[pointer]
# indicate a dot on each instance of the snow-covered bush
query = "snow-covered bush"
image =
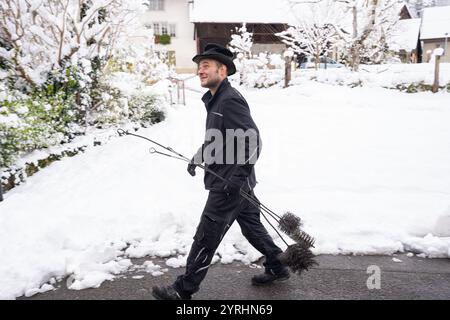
(123, 91)
(89, 63)
(146, 109)
(126, 96)
(254, 71)
(260, 71)
(38, 121)
(264, 79)
(10, 138)
(409, 78)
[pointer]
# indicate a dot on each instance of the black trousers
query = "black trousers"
(220, 211)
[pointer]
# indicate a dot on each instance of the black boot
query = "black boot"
(270, 277)
(168, 293)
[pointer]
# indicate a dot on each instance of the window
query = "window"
(160, 28)
(164, 29)
(155, 5)
(156, 28)
(173, 30)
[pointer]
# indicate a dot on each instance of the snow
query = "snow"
(10, 120)
(46, 287)
(366, 168)
(438, 51)
(268, 11)
(177, 262)
(396, 260)
(386, 75)
(435, 23)
(155, 270)
(441, 228)
(405, 35)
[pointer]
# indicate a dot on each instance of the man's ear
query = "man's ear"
(224, 70)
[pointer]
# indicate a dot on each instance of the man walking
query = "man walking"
(227, 112)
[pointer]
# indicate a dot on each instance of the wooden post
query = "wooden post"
(435, 87)
(178, 91)
(287, 70)
(184, 94)
(1, 192)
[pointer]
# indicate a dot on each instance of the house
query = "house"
(405, 11)
(174, 33)
(183, 28)
(404, 40)
(215, 21)
(435, 31)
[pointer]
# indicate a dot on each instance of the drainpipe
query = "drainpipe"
(445, 46)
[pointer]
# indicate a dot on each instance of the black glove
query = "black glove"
(191, 168)
(235, 185)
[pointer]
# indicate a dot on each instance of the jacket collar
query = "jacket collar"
(208, 98)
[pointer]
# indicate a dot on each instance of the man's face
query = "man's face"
(210, 74)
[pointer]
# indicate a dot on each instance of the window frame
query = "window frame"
(172, 30)
(156, 5)
(156, 28)
(164, 28)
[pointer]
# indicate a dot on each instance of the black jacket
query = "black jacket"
(228, 109)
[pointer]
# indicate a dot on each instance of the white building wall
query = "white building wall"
(185, 47)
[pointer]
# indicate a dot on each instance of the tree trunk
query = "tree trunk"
(358, 42)
(353, 50)
(355, 56)
(287, 71)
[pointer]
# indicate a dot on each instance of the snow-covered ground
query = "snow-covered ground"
(367, 169)
(383, 75)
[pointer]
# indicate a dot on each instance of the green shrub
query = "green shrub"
(40, 121)
(144, 109)
(163, 39)
(10, 144)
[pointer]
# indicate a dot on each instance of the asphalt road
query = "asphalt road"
(336, 277)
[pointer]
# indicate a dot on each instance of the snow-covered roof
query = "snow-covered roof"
(435, 23)
(238, 11)
(404, 35)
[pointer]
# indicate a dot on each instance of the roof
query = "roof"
(403, 4)
(404, 35)
(435, 23)
(238, 11)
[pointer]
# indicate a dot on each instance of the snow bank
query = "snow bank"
(385, 76)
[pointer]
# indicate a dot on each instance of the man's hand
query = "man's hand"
(191, 168)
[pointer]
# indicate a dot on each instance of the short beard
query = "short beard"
(214, 83)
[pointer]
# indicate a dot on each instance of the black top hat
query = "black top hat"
(219, 53)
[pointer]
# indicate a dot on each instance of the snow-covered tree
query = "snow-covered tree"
(315, 30)
(359, 26)
(39, 36)
(241, 44)
(419, 5)
(242, 41)
(371, 22)
(65, 58)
